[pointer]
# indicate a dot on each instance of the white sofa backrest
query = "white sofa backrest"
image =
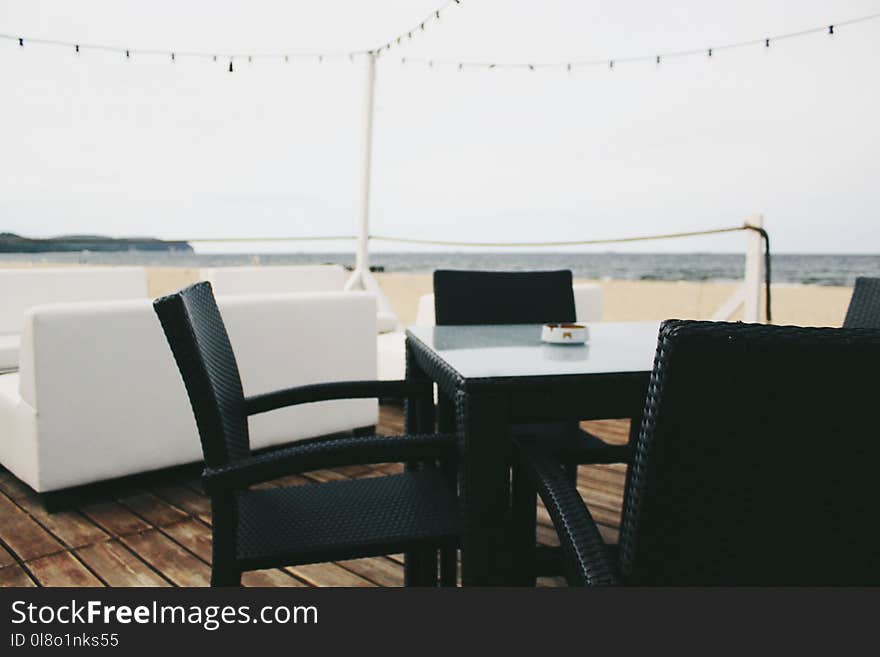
(587, 301)
(21, 289)
(103, 381)
(275, 279)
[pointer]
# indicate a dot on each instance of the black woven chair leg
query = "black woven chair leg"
(429, 567)
(412, 568)
(225, 576)
(224, 572)
(524, 512)
(571, 469)
(448, 567)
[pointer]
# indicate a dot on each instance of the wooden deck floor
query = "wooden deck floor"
(157, 530)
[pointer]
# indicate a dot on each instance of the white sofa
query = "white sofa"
(285, 279)
(391, 346)
(271, 279)
(98, 395)
(21, 289)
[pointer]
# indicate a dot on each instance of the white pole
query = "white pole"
(754, 276)
(362, 257)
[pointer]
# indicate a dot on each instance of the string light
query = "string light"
(174, 55)
(656, 58)
(420, 26)
(567, 65)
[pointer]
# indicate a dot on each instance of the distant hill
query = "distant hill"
(12, 243)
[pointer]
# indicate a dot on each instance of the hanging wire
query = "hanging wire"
(420, 26)
(567, 65)
(612, 62)
(177, 54)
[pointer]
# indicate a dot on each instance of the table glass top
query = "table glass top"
(516, 350)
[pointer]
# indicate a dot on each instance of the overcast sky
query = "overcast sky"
(96, 144)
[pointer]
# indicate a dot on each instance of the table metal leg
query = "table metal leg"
(485, 489)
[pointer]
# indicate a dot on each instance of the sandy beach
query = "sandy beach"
(804, 305)
(623, 300)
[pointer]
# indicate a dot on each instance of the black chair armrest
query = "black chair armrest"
(337, 390)
(585, 555)
(329, 453)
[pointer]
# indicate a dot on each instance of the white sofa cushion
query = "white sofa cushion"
(275, 279)
(9, 351)
(28, 287)
(108, 401)
(23, 288)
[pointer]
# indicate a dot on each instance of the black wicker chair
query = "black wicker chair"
(414, 512)
(864, 306)
(756, 465)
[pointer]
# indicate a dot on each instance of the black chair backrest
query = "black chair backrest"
(864, 306)
(757, 461)
(497, 297)
(198, 339)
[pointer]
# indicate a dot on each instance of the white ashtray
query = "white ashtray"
(565, 333)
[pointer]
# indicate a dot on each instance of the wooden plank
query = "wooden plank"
(354, 471)
(192, 535)
(546, 535)
(6, 558)
(325, 476)
(117, 566)
(272, 577)
(167, 557)
(593, 476)
(289, 480)
(379, 570)
(13, 487)
(390, 468)
(184, 498)
(14, 575)
(327, 574)
(71, 527)
(22, 534)
(62, 569)
(153, 509)
(544, 582)
(114, 518)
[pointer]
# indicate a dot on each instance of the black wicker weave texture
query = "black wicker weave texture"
(494, 297)
(864, 306)
(381, 515)
(756, 460)
(210, 373)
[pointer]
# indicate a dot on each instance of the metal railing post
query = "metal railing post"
(754, 275)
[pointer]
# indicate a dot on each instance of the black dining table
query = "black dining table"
(491, 377)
